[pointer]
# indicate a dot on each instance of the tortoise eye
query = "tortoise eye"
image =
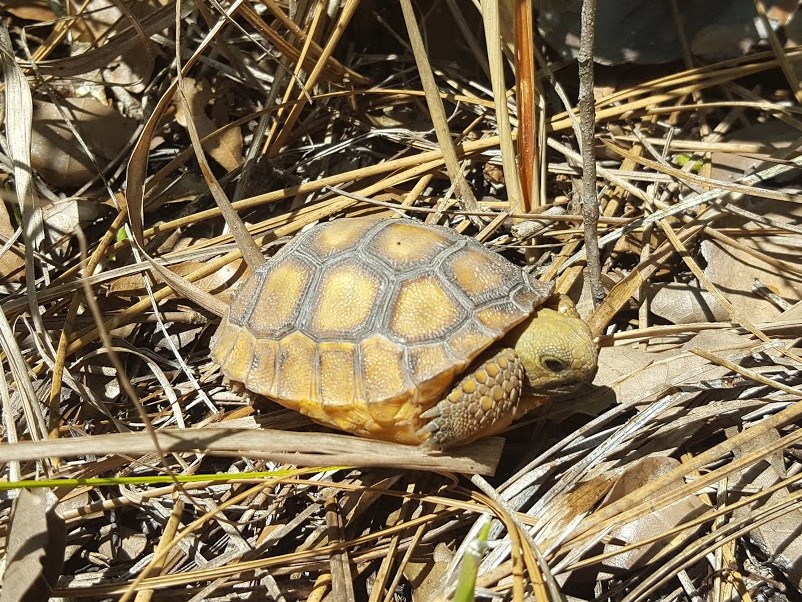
(553, 364)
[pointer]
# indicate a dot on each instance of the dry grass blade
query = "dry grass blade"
(250, 251)
(490, 13)
(305, 449)
(19, 111)
(341, 578)
(436, 110)
(100, 57)
(277, 137)
(526, 94)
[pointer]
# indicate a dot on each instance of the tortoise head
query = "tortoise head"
(556, 348)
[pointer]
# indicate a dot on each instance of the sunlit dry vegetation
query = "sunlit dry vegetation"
(127, 128)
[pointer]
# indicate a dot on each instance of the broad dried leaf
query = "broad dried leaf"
(771, 136)
(735, 272)
(133, 67)
(643, 32)
(35, 554)
(65, 215)
(660, 520)
(638, 376)
(54, 152)
(114, 540)
(781, 538)
(427, 575)
(31, 10)
(225, 148)
(686, 303)
(221, 283)
(568, 507)
(11, 262)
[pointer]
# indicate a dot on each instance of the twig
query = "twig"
(587, 109)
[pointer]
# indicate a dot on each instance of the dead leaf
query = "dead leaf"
(638, 376)
(133, 68)
(30, 10)
(226, 148)
(57, 156)
(222, 283)
(765, 140)
(35, 554)
(120, 542)
(781, 538)
(63, 217)
(661, 519)
(426, 576)
(734, 272)
(644, 32)
(579, 502)
(686, 303)
(12, 261)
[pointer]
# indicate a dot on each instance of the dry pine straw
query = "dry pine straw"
(307, 533)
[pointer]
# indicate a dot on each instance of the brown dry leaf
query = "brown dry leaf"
(762, 140)
(57, 156)
(11, 262)
(734, 271)
(98, 17)
(103, 16)
(661, 519)
(781, 538)
(644, 32)
(226, 148)
(578, 502)
(65, 215)
(427, 576)
(119, 538)
(30, 10)
(638, 376)
(35, 554)
(221, 283)
(686, 303)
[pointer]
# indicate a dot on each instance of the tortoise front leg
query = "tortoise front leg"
(482, 404)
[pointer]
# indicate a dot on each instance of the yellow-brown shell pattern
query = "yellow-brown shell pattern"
(363, 324)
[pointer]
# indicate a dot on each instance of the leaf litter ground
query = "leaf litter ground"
(674, 477)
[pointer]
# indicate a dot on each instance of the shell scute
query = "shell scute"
(296, 369)
(382, 375)
(332, 238)
(275, 306)
(240, 356)
(432, 367)
(422, 310)
(338, 381)
(349, 295)
(391, 247)
(499, 317)
(261, 377)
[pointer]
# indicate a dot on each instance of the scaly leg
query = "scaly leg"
(482, 404)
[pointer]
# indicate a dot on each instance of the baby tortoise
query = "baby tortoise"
(396, 330)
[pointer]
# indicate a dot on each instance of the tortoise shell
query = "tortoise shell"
(363, 324)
